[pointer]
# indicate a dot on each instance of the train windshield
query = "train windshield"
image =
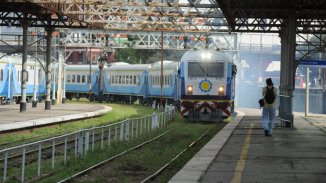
(205, 69)
(215, 70)
(196, 69)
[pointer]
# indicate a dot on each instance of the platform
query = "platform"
(11, 118)
(242, 153)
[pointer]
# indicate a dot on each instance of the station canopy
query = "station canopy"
(13, 12)
(201, 16)
(271, 15)
(168, 15)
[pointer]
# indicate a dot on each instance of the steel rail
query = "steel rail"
(112, 158)
(151, 177)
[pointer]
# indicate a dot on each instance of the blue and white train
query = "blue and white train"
(201, 84)
(207, 84)
(10, 77)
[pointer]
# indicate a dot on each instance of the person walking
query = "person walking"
(269, 108)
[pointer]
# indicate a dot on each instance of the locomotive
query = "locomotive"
(207, 85)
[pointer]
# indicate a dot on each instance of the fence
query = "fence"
(248, 96)
(75, 145)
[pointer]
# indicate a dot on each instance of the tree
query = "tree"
(145, 56)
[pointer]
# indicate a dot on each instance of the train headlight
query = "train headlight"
(206, 56)
(189, 90)
(221, 90)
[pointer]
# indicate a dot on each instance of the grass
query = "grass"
(135, 165)
(138, 164)
(118, 113)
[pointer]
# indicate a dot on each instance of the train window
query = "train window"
(158, 81)
(196, 69)
(170, 80)
(120, 79)
(130, 79)
(135, 80)
(78, 78)
(68, 78)
(155, 80)
(88, 79)
(83, 79)
(138, 80)
(127, 80)
(123, 80)
(165, 80)
(73, 79)
(112, 79)
(116, 79)
(1, 75)
(215, 69)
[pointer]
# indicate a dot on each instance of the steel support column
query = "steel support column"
(48, 68)
(288, 36)
(60, 76)
(64, 99)
(24, 68)
(100, 82)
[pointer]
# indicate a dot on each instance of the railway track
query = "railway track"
(160, 170)
(112, 158)
(149, 176)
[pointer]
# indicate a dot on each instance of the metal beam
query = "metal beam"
(148, 15)
(77, 39)
(12, 12)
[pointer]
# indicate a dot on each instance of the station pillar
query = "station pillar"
(100, 84)
(288, 35)
(24, 67)
(49, 31)
(60, 77)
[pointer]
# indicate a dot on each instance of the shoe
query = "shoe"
(269, 135)
(266, 132)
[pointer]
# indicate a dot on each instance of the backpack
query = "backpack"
(270, 95)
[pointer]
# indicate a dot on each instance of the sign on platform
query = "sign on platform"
(313, 63)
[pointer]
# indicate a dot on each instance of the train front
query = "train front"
(206, 85)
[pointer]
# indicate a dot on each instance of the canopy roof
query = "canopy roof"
(271, 15)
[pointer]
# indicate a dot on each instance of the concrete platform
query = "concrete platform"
(247, 155)
(11, 118)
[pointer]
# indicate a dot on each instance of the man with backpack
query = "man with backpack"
(269, 109)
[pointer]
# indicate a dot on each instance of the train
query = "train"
(207, 84)
(201, 84)
(11, 75)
